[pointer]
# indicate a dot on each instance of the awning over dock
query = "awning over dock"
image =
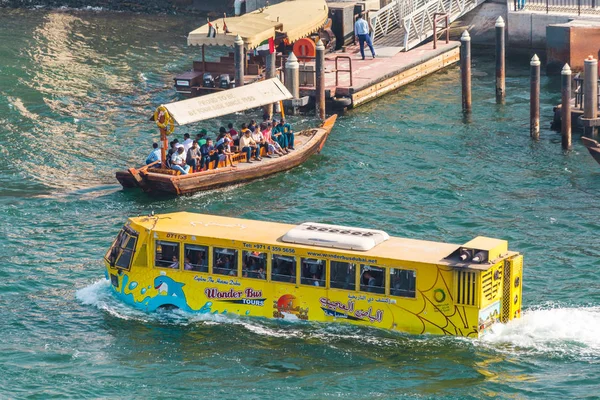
(228, 101)
(295, 18)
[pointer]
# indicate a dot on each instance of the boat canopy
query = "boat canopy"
(228, 101)
(335, 236)
(297, 19)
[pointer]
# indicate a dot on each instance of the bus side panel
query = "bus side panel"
(516, 286)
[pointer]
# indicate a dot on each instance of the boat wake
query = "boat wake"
(554, 330)
(563, 331)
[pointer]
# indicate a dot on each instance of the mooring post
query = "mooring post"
(270, 73)
(590, 95)
(320, 81)
(565, 108)
(292, 78)
(465, 70)
(238, 57)
(534, 98)
(500, 61)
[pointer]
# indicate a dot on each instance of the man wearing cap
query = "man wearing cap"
(249, 146)
(178, 162)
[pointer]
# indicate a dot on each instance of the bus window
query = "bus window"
(225, 261)
(372, 279)
(124, 260)
(313, 272)
(254, 265)
(283, 268)
(342, 275)
(167, 254)
(402, 282)
(196, 258)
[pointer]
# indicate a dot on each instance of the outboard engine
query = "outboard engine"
(208, 80)
(224, 81)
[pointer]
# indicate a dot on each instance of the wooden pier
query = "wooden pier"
(355, 81)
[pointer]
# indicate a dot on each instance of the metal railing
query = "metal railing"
(437, 18)
(560, 6)
(578, 91)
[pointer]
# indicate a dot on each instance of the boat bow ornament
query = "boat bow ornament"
(407, 23)
(335, 236)
(228, 102)
(296, 19)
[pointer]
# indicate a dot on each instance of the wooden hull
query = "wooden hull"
(593, 147)
(212, 179)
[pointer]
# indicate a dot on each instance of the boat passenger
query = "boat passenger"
(201, 137)
(170, 153)
(187, 143)
(154, 156)
(194, 157)
(187, 265)
(288, 132)
(234, 134)
(209, 153)
(278, 135)
(370, 281)
(252, 126)
(177, 144)
(274, 147)
(260, 141)
(249, 146)
(175, 264)
(178, 161)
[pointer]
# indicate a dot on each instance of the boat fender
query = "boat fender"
(168, 122)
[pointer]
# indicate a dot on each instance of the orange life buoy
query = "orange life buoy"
(304, 47)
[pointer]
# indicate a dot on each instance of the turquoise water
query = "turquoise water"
(76, 90)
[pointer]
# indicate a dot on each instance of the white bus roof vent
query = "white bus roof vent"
(335, 236)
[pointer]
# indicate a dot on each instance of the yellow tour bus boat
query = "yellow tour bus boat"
(314, 272)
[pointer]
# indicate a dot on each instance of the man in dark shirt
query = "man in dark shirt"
(209, 153)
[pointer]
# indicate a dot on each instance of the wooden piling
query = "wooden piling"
(565, 109)
(292, 78)
(320, 80)
(500, 61)
(239, 61)
(465, 70)
(534, 98)
(590, 93)
(270, 73)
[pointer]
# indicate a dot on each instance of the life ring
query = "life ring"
(442, 296)
(168, 123)
(304, 47)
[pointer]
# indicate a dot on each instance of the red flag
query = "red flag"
(271, 46)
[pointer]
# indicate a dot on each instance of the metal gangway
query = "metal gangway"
(407, 23)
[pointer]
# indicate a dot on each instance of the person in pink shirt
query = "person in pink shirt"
(272, 146)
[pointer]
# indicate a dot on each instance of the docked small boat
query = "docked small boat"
(314, 272)
(593, 147)
(156, 178)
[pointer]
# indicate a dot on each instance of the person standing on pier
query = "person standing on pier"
(361, 30)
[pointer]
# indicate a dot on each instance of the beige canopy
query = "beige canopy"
(296, 18)
(228, 101)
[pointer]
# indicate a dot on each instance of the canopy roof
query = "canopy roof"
(228, 101)
(295, 18)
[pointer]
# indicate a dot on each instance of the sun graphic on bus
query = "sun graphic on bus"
(288, 307)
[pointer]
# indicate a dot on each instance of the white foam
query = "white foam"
(558, 330)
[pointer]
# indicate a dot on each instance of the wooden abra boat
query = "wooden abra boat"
(156, 178)
(593, 147)
(307, 143)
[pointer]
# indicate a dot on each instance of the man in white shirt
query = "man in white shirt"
(249, 146)
(361, 30)
(187, 143)
(178, 161)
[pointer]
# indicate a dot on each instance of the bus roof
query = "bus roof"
(271, 233)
